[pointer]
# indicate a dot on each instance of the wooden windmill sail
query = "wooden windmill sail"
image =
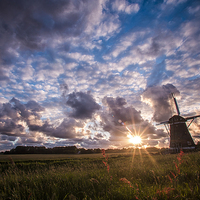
(177, 129)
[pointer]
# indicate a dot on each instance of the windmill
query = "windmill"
(177, 129)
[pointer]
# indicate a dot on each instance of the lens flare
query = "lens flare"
(135, 139)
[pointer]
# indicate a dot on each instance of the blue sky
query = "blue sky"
(79, 72)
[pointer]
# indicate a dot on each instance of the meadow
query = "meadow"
(132, 175)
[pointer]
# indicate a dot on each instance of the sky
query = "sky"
(93, 73)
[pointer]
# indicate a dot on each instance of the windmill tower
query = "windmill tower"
(177, 129)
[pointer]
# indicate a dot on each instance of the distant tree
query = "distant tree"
(97, 150)
(65, 150)
(198, 146)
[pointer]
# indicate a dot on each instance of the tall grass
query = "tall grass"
(107, 177)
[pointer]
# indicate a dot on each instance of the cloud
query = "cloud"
(15, 117)
(124, 6)
(159, 99)
(109, 25)
(119, 119)
(116, 116)
(194, 9)
(3, 76)
(34, 106)
(28, 21)
(191, 33)
(26, 73)
(83, 105)
(119, 50)
(25, 111)
(174, 2)
(64, 89)
(125, 42)
(11, 127)
(66, 129)
(164, 42)
(6, 142)
(40, 25)
(120, 113)
(184, 62)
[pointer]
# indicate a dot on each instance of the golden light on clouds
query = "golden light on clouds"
(98, 118)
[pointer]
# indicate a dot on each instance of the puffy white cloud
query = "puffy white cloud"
(125, 6)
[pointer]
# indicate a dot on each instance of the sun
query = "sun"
(135, 139)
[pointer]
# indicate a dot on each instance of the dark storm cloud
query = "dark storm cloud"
(114, 102)
(83, 105)
(14, 113)
(15, 116)
(119, 112)
(26, 110)
(34, 106)
(6, 137)
(65, 130)
(20, 108)
(112, 125)
(30, 21)
(10, 127)
(118, 115)
(159, 97)
(8, 111)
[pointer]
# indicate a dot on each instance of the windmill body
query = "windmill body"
(177, 128)
(180, 137)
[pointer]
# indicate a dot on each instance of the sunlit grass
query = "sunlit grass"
(130, 176)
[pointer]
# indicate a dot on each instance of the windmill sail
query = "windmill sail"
(176, 104)
(193, 117)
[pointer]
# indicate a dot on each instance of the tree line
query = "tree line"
(54, 150)
(69, 150)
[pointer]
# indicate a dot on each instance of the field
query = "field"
(133, 175)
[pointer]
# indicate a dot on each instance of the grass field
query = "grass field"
(96, 176)
(26, 157)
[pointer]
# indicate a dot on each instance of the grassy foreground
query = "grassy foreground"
(116, 176)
